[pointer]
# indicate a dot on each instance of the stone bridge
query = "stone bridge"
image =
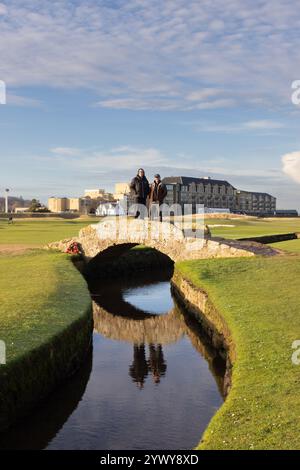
(112, 237)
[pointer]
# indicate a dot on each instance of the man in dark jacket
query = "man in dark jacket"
(158, 192)
(140, 189)
(139, 368)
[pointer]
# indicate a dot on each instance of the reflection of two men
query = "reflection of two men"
(141, 367)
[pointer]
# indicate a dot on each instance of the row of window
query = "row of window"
(257, 199)
(185, 189)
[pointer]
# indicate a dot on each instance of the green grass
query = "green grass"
(292, 246)
(41, 293)
(40, 231)
(46, 324)
(244, 228)
(259, 299)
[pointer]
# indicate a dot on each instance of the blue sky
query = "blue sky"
(97, 89)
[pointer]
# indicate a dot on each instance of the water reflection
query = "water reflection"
(151, 329)
(141, 367)
(157, 363)
(148, 360)
(136, 298)
(118, 319)
(124, 321)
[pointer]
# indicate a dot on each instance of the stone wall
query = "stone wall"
(39, 215)
(281, 237)
(198, 304)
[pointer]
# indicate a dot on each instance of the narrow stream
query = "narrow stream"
(150, 381)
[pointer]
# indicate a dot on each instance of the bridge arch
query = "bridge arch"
(113, 237)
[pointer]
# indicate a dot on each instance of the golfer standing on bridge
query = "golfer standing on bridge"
(140, 191)
(158, 192)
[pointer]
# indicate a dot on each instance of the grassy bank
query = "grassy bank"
(254, 227)
(45, 321)
(259, 300)
(40, 231)
(292, 246)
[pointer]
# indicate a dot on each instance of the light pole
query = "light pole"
(6, 200)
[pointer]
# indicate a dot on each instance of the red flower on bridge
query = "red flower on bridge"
(74, 249)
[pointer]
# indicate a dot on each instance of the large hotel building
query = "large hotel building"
(216, 194)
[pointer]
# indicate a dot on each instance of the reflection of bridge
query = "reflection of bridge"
(156, 329)
(117, 319)
(113, 237)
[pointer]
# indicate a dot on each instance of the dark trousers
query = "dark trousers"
(142, 201)
(155, 209)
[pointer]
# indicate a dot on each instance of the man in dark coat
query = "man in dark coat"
(156, 362)
(158, 192)
(140, 189)
(139, 368)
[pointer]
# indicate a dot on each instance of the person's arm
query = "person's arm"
(132, 185)
(147, 187)
(164, 191)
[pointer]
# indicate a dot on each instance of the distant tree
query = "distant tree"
(36, 206)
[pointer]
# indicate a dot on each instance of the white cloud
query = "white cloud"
(155, 55)
(221, 168)
(3, 9)
(291, 165)
(131, 159)
(123, 157)
(199, 95)
(66, 151)
(138, 104)
(263, 124)
(260, 126)
(217, 25)
(126, 159)
(215, 104)
(24, 101)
